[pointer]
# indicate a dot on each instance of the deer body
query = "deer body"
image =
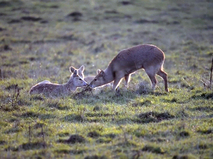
(147, 57)
(52, 89)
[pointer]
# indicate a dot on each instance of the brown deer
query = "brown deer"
(80, 71)
(52, 89)
(147, 57)
(88, 79)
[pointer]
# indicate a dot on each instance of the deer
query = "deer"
(126, 62)
(88, 79)
(48, 88)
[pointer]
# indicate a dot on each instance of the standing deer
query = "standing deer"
(89, 78)
(52, 89)
(147, 57)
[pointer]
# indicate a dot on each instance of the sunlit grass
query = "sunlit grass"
(137, 123)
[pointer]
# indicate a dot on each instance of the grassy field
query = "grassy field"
(39, 40)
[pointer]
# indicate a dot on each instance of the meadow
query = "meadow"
(40, 40)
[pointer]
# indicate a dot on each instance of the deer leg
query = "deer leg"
(127, 79)
(116, 83)
(152, 78)
(164, 76)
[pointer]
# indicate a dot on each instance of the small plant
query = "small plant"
(13, 99)
(15, 95)
(206, 83)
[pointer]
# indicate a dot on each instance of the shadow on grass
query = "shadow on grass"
(87, 117)
(73, 118)
(103, 140)
(57, 105)
(95, 157)
(37, 97)
(2, 142)
(153, 149)
(205, 95)
(68, 151)
(103, 117)
(106, 97)
(205, 132)
(109, 96)
(37, 115)
(13, 130)
(153, 117)
(141, 103)
(204, 109)
(98, 114)
(75, 138)
(93, 134)
(28, 146)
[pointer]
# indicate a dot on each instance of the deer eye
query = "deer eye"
(80, 79)
(95, 79)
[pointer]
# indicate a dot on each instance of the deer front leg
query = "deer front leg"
(116, 84)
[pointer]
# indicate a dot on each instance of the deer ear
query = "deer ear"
(82, 68)
(75, 72)
(98, 71)
(72, 69)
(102, 72)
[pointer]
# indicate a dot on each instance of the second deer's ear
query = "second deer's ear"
(98, 71)
(82, 68)
(75, 72)
(102, 72)
(72, 69)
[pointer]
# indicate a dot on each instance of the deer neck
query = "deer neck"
(70, 86)
(109, 74)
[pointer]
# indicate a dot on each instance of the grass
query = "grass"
(40, 40)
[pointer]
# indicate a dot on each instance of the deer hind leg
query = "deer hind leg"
(127, 79)
(152, 77)
(164, 76)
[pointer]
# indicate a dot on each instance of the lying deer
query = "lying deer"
(52, 89)
(88, 79)
(147, 57)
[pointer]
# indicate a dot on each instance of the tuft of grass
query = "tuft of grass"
(153, 117)
(152, 149)
(75, 138)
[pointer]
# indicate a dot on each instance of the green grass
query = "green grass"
(138, 123)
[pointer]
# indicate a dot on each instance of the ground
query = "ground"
(40, 40)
